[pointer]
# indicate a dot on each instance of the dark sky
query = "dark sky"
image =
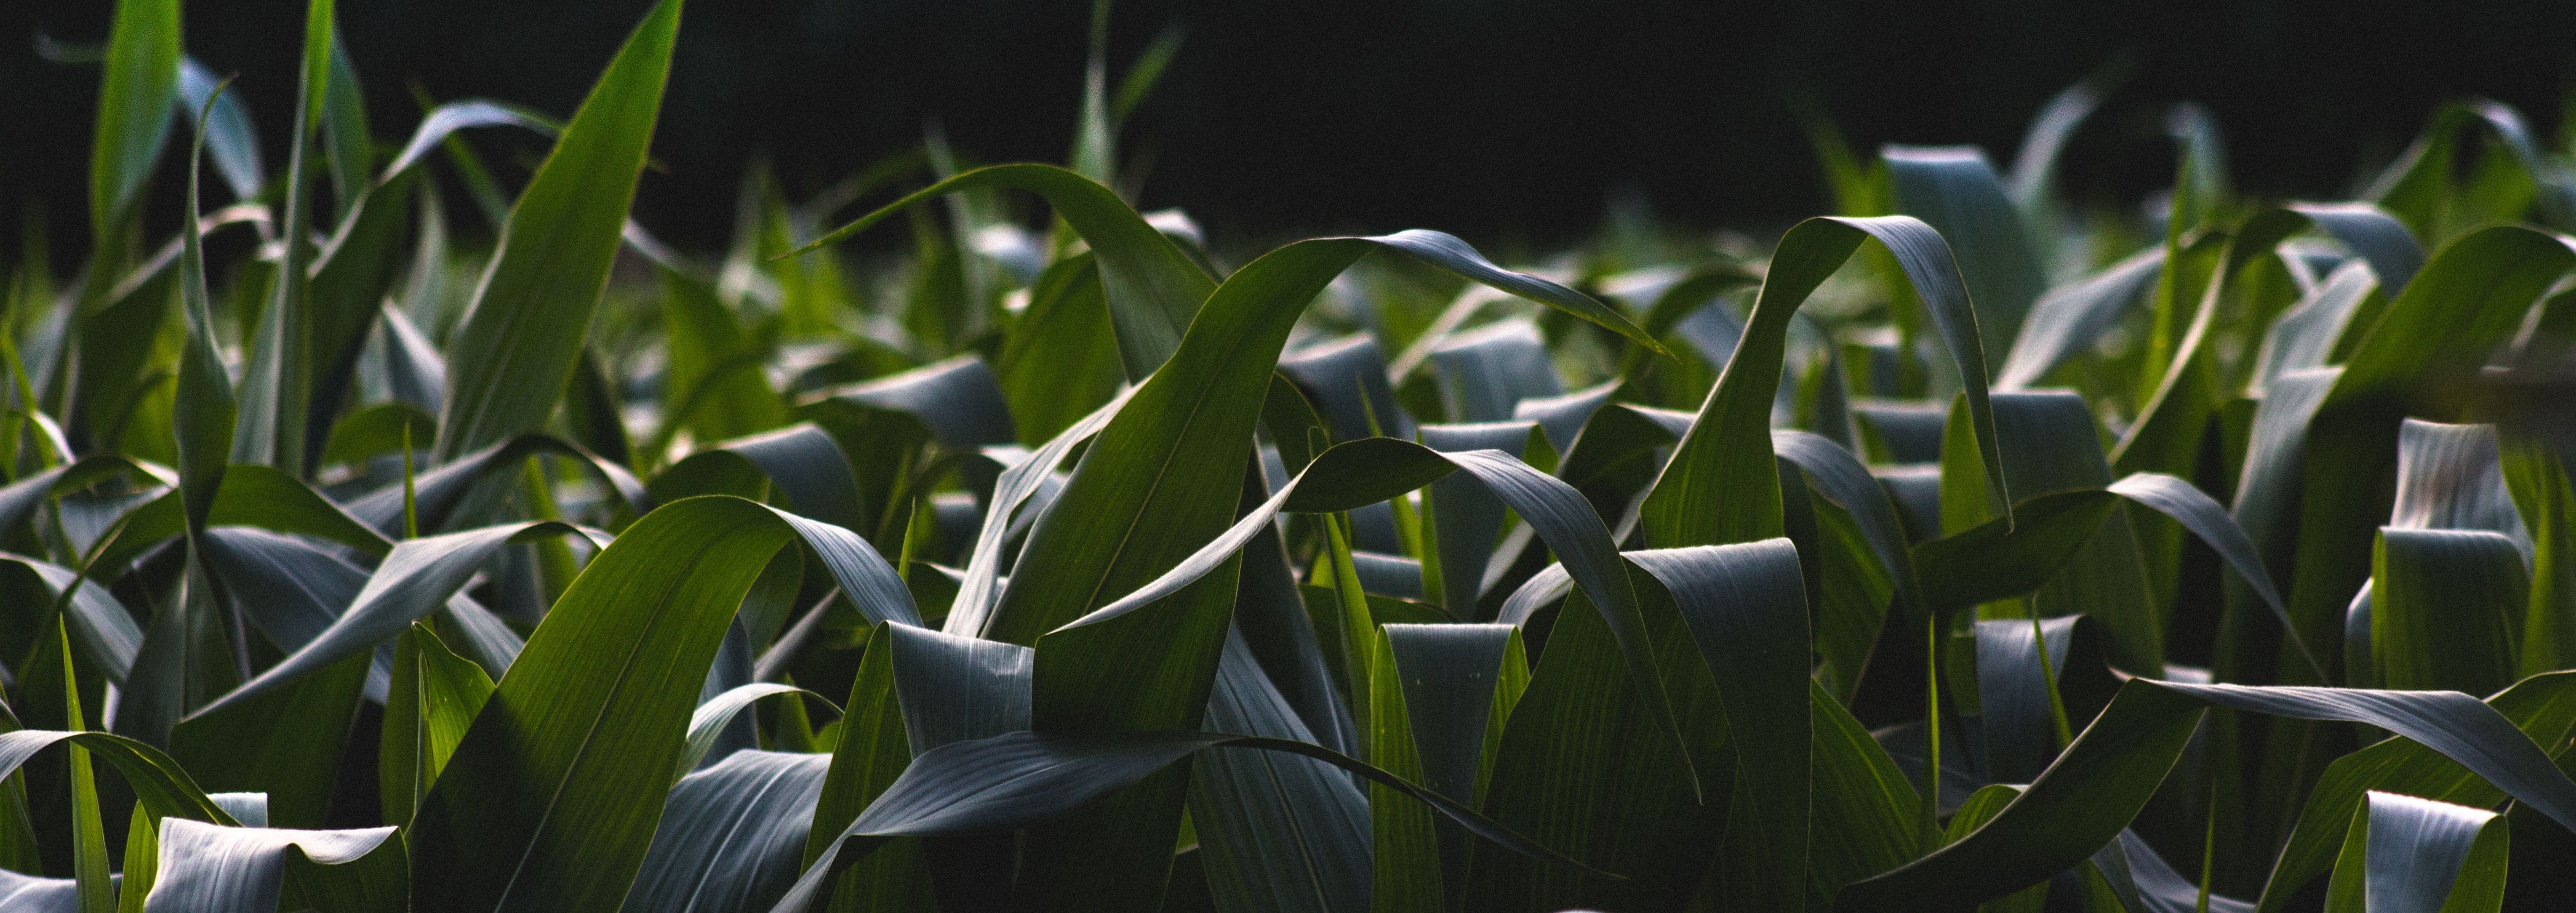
(1499, 119)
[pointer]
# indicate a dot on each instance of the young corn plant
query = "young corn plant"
(1963, 550)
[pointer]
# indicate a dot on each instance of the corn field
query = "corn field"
(364, 548)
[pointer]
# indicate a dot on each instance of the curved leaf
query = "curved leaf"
(2070, 317)
(708, 722)
(1728, 444)
(228, 128)
(97, 621)
(1959, 194)
(417, 577)
(2543, 706)
(462, 114)
(2410, 855)
(218, 869)
(958, 400)
(803, 463)
(1485, 372)
(158, 782)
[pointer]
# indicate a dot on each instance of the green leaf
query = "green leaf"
(440, 122)
(19, 499)
(286, 744)
(159, 785)
(203, 414)
(418, 577)
(1149, 487)
(2051, 444)
(2410, 855)
(89, 837)
(140, 83)
(99, 624)
(1275, 832)
(2173, 417)
(227, 125)
(713, 386)
(348, 151)
(2072, 317)
(2307, 334)
(1728, 444)
(550, 800)
(710, 719)
(277, 383)
(2463, 303)
(2444, 609)
(1746, 604)
(1443, 692)
(533, 309)
(803, 462)
(221, 869)
(732, 835)
(2538, 482)
(1487, 371)
(872, 749)
(1153, 288)
(434, 697)
(2418, 186)
(957, 399)
(440, 494)
(2145, 883)
(1865, 811)
(2543, 707)
(2200, 514)
(1994, 560)
(1059, 361)
(1466, 520)
(1097, 674)
(1346, 379)
(1954, 190)
(972, 609)
(350, 275)
(376, 430)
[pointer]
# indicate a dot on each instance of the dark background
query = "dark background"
(1510, 121)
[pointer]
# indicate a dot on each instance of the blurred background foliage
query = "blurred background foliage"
(1518, 123)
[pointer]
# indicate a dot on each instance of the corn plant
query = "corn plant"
(1966, 549)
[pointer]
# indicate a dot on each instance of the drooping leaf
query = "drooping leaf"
(1959, 194)
(2409, 854)
(2544, 707)
(223, 869)
(1729, 442)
